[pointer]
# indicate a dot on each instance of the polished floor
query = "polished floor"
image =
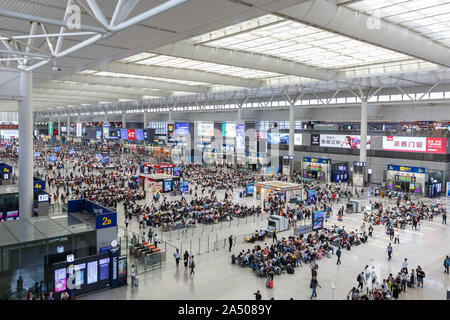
(216, 278)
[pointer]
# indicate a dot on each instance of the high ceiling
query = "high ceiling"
(201, 47)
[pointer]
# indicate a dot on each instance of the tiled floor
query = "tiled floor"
(216, 278)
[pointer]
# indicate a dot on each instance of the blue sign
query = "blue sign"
(317, 220)
(56, 149)
(277, 138)
(316, 160)
(124, 134)
(393, 167)
(182, 129)
(71, 151)
(139, 134)
(106, 220)
(38, 184)
(52, 158)
(250, 188)
(240, 136)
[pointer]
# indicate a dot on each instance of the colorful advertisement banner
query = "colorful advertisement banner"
(79, 129)
(317, 160)
(240, 136)
(50, 128)
(105, 130)
(342, 141)
(131, 134)
(415, 144)
(277, 138)
(182, 129)
(205, 129)
(229, 129)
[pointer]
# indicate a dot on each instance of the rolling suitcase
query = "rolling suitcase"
(136, 282)
(233, 259)
(269, 283)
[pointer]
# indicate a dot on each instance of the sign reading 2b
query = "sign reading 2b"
(105, 220)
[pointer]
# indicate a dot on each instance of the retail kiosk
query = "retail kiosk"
(159, 182)
(317, 169)
(286, 190)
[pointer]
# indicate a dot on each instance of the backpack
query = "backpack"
(358, 278)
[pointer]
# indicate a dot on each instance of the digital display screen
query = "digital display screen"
(229, 129)
(56, 149)
(12, 214)
(122, 267)
(37, 154)
(92, 272)
(79, 274)
(98, 134)
(131, 134)
(317, 220)
(123, 134)
(60, 280)
(250, 188)
(6, 176)
(71, 151)
(182, 129)
(185, 186)
(43, 198)
(176, 171)
(167, 186)
(104, 269)
(277, 138)
(139, 134)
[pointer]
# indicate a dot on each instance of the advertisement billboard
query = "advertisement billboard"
(298, 139)
(415, 144)
(92, 272)
(240, 136)
(60, 280)
(315, 139)
(277, 138)
(182, 129)
(123, 134)
(50, 128)
(342, 141)
(105, 130)
(139, 134)
(229, 129)
(205, 128)
(79, 129)
(131, 134)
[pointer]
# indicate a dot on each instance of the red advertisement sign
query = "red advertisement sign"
(131, 134)
(436, 145)
(415, 144)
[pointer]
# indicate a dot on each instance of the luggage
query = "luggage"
(278, 270)
(409, 284)
(290, 269)
(233, 259)
(349, 248)
(136, 281)
(269, 284)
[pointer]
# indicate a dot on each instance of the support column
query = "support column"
(291, 129)
(68, 126)
(26, 146)
(59, 126)
(363, 144)
(239, 113)
(170, 115)
(124, 121)
(145, 120)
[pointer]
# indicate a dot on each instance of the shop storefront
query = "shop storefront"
(317, 169)
(339, 172)
(406, 179)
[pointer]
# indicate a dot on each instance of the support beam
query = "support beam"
(26, 146)
(86, 94)
(246, 60)
(124, 120)
(105, 89)
(179, 74)
(339, 19)
(135, 83)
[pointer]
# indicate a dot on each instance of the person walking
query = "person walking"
(230, 241)
(360, 280)
(258, 295)
(338, 255)
(133, 275)
(314, 284)
(391, 234)
(192, 265)
(405, 265)
(156, 240)
(150, 235)
(446, 264)
(186, 259)
(444, 217)
(19, 287)
(126, 222)
(389, 251)
(177, 257)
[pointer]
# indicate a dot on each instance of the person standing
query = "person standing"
(370, 231)
(338, 255)
(404, 280)
(389, 251)
(405, 265)
(444, 218)
(177, 257)
(420, 275)
(19, 287)
(156, 240)
(274, 236)
(150, 235)
(446, 264)
(126, 222)
(230, 241)
(186, 259)
(314, 284)
(396, 237)
(133, 275)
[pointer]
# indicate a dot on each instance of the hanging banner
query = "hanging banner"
(240, 136)
(298, 139)
(342, 141)
(415, 144)
(79, 129)
(50, 128)
(229, 129)
(105, 130)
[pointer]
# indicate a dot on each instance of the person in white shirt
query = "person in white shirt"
(405, 265)
(133, 275)
(156, 240)
(396, 237)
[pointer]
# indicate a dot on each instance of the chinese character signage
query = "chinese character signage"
(393, 167)
(342, 141)
(415, 144)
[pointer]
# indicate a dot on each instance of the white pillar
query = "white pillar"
(363, 144)
(145, 120)
(170, 115)
(59, 126)
(124, 121)
(239, 113)
(291, 129)
(68, 126)
(26, 145)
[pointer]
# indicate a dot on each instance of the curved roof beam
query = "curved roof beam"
(360, 26)
(179, 74)
(244, 59)
(105, 89)
(134, 82)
